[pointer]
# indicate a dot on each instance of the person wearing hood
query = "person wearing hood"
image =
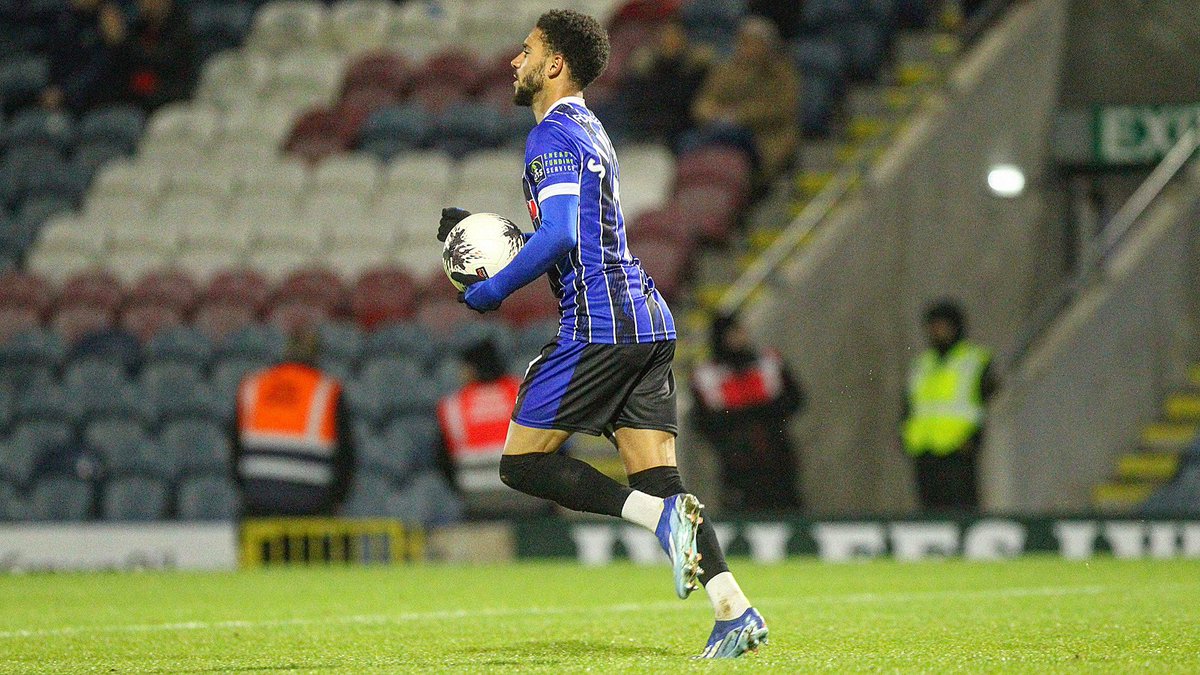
(745, 399)
(949, 385)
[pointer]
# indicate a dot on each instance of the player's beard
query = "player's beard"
(528, 88)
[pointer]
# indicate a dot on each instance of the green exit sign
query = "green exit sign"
(1140, 134)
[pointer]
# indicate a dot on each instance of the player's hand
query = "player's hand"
(481, 296)
(450, 217)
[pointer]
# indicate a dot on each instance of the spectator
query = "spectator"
(662, 82)
(745, 399)
(474, 423)
(293, 454)
(158, 62)
(948, 387)
(754, 95)
(83, 48)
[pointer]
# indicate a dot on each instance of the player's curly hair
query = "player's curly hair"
(580, 39)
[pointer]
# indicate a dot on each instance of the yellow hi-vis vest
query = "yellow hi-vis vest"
(945, 399)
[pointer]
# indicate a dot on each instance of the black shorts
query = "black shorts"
(599, 388)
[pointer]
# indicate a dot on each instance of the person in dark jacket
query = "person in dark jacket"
(745, 399)
(157, 64)
(83, 55)
(664, 77)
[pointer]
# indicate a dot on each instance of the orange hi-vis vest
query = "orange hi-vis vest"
(723, 388)
(287, 425)
(474, 423)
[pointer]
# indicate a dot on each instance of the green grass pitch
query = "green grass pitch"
(1031, 615)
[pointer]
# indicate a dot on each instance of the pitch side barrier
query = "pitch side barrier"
(987, 538)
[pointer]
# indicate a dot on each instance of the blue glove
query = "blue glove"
(482, 296)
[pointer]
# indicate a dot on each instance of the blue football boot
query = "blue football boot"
(676, 532)
(730, 639)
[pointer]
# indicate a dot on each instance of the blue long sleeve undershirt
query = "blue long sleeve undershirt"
(557, 236)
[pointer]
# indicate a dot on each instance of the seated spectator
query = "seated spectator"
(158, 61)
(662, 82)
(754, 94)
(83, 46)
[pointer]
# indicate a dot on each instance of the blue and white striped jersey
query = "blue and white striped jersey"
(604, 294)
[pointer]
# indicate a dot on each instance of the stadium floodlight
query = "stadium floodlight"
(1006, 180)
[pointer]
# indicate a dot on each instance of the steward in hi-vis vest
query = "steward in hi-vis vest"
(945, 405)
(744, 401)
(292, 456)
(474, 423)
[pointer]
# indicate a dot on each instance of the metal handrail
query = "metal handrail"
(1109, 241)
(822, 205)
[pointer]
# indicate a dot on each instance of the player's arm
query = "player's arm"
(557, 237)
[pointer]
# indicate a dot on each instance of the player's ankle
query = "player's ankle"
(728, 600)
(642, 509)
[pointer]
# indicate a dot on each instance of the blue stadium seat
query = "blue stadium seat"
(426, 499)
(211, 497)
(391, 130)
(91, 155)
(119, 124)
(368, 496)
(388, 455)
(134, 499)
(99, 389)
(401, 339)
(200, 447)
(401, 386)
(19, 165)
(45, 400)
(22, 78)
(219, 25)
(182, 344)
(7, 404)
(12, 505)
(39, 127)
(713, 22)
(60, 498)
(865, 44)
(17, 458)
(341, 341)
(227, 374)
(114, 437)
(468, 126)
(257, 341)
(114, 346)
(36, 210)
(175, 391)
(422, 430)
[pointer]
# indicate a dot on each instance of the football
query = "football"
(480, 245)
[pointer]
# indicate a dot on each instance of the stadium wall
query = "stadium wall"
(1059, 426)
(846, 310)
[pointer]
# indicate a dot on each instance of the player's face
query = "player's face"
(529, 69)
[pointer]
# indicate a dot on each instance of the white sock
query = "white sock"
(727, 598)
(642, 509)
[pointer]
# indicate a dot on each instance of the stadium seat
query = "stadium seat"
(60, 498)
(164, 287)
(15, 320)
(39, 127)
(316, 285)
(306, 75)
(12, 503)
(183, 344)
(383, 69)
(392, 130)
(276, 262)
(314, 135)
(174, 391)
(125, 178)
(188, 123)
(218, 26)
(204, 264)
(369, 495)
(181, 211)
(125, 448)
(214, 181)
(75, 322)
(227, 375)
(355, 174)
(387, 455)
(529, 305)
(23, 77)
(212, 497)
(93, 155)
(234, 76)
(201, 447)
(297, 314)
(383, 295)
(256, 341)
(147, 320)
(24, 289)
(466, 127)
(351, 259)
(117, 124)
(72, 235)
(281, 26)
(134, 499)
(97, 288)
(419, 29)
(430, 173)
(400, 385)
(646, 172)
(217, 319)
(323, 214)
(37, 347)
(279, 180)
(426, 499)
(114, 346)
(718, 167)
(358, 25)
(238, 286)
(16, 462)
(29, 440)
(341, 341)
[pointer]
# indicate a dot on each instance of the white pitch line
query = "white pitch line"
(406, 617)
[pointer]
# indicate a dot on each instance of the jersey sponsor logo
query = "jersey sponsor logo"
(550, 163)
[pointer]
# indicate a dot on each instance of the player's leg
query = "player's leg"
(531, 463)
(649, 458)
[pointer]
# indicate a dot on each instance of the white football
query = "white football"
(480, 245)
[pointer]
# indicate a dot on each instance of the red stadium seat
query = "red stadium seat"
(495, 74)
(666, 264)
(383, 69)
(23, 289)
(529, 305)
(368, 98)
(220, 319)
(711, 211)
(297, 313)
(383, 295)
(313, 286)
(75, 321)
(95, 288)
(443, 317)
(315, 135)
(713, 166)
(436, 97)
(145, 320)
(16, 319)
(238, 287)
(664, 224)
(165, 288)
(452, 67)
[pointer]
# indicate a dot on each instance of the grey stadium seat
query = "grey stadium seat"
(207, 498)
(62, 498)
(135, 498)
(199, 447)
(369, 495)
(183, 344)
(12, 506)
(426, 499)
